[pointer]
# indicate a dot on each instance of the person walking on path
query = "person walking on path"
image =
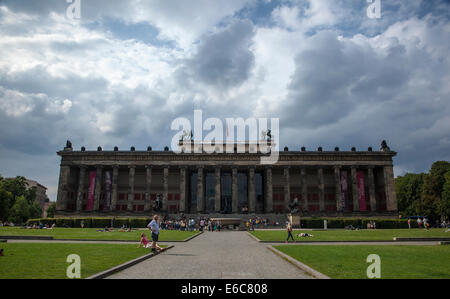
(289, 230)
(154, 227)
(409, 223)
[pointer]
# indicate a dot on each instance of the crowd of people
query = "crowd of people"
(6, 223)
(258, 222)
(41, 226)
(191, 224)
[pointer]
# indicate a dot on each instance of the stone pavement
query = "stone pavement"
(215, 255)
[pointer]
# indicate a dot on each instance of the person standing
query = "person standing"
(154, 227)
(289, 230)
(409, 223)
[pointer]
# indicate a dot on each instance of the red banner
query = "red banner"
(91, 190)
(361, 191)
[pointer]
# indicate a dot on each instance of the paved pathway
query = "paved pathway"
(227, 254)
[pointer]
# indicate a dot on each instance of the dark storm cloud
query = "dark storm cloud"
(333, 77)
(224, 59)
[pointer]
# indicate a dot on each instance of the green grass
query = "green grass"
(93, 234)
(352, 235)
(43, 260)
(398, 261)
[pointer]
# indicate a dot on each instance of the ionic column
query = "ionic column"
(217, 194)
(321, 189)
(234, 194)
(63, 188)
(372, 198)
(182, 206)
(251, 190)
(200, 201)
(287, 187)
(148, 182)
(114, 185)
(337, 183)
(355, 190)
(269, 195)
(304, 189)
(389, 187)
(132, 170)
(81, 188)
(166, 189)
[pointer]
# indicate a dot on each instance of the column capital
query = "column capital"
(115, 166)
(131, 166)
(148, 166)
(337, 166)
(99, 166)
(83, 167)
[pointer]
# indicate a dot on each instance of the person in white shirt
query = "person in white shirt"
(154, 227)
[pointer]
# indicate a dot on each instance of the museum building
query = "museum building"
(310, 183)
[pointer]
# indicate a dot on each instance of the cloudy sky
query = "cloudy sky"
(122, 72)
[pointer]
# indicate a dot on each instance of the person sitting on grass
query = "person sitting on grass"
(304, 235)
(144, 241)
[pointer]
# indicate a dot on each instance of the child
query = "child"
(144, 241)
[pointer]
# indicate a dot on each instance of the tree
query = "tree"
(17, 187)
(444, 203)
(35, 210)
(432, 189)
(20, 211)
(51, 210)
(5, 199)
(409, 191)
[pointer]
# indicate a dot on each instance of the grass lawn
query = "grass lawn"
(352, 235)
(396, 261)
(93, 234)
(41, 260)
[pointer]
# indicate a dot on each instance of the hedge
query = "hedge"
(92, 222)
(356, 222)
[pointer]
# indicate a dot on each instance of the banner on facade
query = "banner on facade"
(361, 191)
(107, 190)
(90, 202)
(344, 188)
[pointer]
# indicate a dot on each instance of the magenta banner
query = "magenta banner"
(344, 188)
(108, 190)
(361, 191)
(90, 203)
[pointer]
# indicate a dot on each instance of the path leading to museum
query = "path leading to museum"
(215, 255)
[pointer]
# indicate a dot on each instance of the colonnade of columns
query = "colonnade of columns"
(391, 202)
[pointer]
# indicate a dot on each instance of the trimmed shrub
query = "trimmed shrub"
(101, 222)
(77, 222)
(138, 222)
(64, 222)
(119, 222)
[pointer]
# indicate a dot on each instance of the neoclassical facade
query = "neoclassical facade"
(325, 183)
